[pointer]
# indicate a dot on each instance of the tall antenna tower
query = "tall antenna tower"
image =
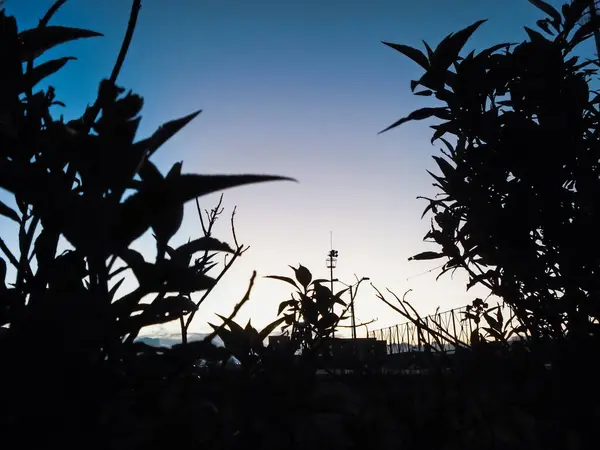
(331, 263)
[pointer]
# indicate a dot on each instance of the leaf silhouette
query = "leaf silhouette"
(264, 333)
(429, 50)
(455, 44)
(238, 330)
(204, 244)
(328, 320)
(164, 276)
(284, 305)
(494, 333)
(420, 114)
(535, 36)
(165, 132)
(445, 54)
(479, 278)
(45, 247)
(232, 341)
(425, 93)
(114, 289)
(2, 274)
(543, 24)
(426, 256)
(445, 166)
(169, 214)
(37, 74)
(413, 53)
(189, 186)
(142, 270)
(548, 9)
(585, 31)
(303, 275)
(252, 335)
(186, 281)
(36, 41)
(7, 211)
(163, 310)
(138, 212)
(149, 173)
(282, 278)
(491, 321)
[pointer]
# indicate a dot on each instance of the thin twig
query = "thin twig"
(205, 231)
(50, 13)
(133, 16)
(184, 367)
(113, 259)
(358, 325)
(236, 309)
(30, 232)
(118, 271)
(25, 239)
(421, 325)
(183, 330)
(212, 218)
(135, 9)
(209, 290)
(418, 322)
(235, 241)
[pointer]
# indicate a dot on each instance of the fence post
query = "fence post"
(470, 330)
(454, 326)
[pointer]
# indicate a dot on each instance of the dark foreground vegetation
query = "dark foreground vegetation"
(518, 210)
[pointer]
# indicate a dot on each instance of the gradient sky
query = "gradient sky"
(297, 89)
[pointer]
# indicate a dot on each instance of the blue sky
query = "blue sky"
(297, 89)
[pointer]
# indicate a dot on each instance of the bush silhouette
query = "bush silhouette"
(519, 177)
(308, 315)
(68, 350)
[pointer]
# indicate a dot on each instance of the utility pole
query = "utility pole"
(353, 291)
(353, 296)
(352, 313)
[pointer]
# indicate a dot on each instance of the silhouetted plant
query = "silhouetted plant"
(487, 324)
(308, 315)
(206, 261)
(520, 174)
(435, 330)
(89, 182)
(497, 328)
(246, 344)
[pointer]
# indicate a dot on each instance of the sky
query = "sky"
(299, 89)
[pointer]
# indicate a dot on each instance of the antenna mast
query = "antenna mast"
(331, 263)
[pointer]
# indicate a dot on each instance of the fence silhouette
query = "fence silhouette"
(442, 329)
